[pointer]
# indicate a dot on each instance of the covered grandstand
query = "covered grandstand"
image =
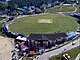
(47, 40)
(71, 35)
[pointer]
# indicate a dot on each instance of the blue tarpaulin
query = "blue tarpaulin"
(71, 35)
(4, 26)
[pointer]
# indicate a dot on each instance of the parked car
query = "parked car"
(73, 43)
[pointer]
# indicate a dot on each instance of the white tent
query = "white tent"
(21, 38)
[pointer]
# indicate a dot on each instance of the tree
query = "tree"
(12, 5)
(79, 9)
(38, 3)
(3, 6)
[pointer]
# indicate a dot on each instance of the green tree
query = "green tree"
(79, 9)
(3, 6)
(12, 5)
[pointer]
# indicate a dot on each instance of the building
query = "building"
(47, 40)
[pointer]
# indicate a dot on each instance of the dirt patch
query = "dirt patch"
(5, 48)
(45, 21)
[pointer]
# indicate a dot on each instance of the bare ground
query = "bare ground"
(6, 47)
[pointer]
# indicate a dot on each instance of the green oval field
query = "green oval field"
(45, 23)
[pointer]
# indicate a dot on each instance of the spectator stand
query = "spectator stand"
(71, 35)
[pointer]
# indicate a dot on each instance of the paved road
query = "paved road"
(69, 46)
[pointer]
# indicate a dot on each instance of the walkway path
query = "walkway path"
(67, 47)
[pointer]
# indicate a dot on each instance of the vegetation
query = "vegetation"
(3, 6)
(30, 24)
(37, 3)
(1, 24)
(78, 9)
(12, 6)
(60, 9)
(73, 53)
(0, 27)
(0, 33)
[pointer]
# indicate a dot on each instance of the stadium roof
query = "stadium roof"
(46, 36)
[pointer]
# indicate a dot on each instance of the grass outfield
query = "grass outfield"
(73, 53)
(46, 23)
(60, 9)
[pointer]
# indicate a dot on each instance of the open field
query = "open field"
(60, 9)
(46, 23)
(73, 53)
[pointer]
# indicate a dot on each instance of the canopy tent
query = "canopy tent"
(21, 38)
